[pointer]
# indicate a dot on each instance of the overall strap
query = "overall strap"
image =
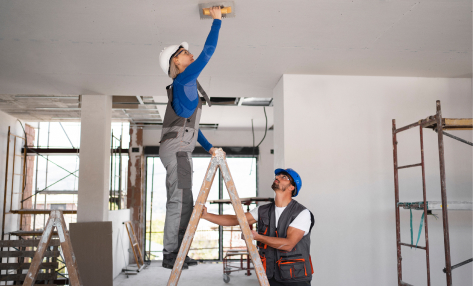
(203, 93)
(169, 92)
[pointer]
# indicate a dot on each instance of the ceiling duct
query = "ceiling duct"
(255, 101)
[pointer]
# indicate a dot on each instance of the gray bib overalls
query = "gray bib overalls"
(178, 140)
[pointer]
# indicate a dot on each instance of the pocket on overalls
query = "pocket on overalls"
(188, 135)
(169, 135)
(292, 269)
(263, 230)
(184, 171)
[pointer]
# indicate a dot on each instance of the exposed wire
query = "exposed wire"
(265, 129)
(253, 133)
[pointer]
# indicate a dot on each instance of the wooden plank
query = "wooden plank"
(28, 253)
(22, 277)
(458, 123)
(37, 211)
(437, 205)
(26, 243)
(21, 233)
(10, 266)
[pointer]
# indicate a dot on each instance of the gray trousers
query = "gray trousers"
(180, 203)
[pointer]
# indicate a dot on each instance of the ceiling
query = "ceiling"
(67, 48)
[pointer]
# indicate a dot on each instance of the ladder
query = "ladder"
(56, 220)
(218, 161)
(134, 245)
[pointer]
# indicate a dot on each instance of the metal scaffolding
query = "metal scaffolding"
(438, 124)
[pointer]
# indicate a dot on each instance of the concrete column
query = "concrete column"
(136, 193)
(94, 167)
(91, 236)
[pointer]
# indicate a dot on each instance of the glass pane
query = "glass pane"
(206, 241)
(243, 172)
(155, 207)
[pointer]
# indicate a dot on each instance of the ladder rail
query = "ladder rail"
(424, 193)
(396, 198)
(218, 161)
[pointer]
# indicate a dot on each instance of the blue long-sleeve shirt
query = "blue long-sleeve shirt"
(185, 96)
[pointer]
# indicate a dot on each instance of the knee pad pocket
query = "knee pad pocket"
(184, 171)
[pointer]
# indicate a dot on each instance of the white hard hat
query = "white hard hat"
(167, 53)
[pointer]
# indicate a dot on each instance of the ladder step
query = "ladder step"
(410, 245)
(410, 166)
(38, 211)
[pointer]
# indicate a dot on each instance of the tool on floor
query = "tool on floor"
(218, 161)
(228, 9)
(134, 246)
(56, 220)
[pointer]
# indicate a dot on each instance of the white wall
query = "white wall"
(218, 138)
(337, 135)
(11, 221)
(121, 242)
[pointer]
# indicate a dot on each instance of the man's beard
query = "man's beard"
(275, 187)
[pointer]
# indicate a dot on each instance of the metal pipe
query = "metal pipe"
(396, 196)
(151, 210)
(46, 179)
(220, 212)
(120, 173)
(443, 189)
(459, 264)
(424, 191)
(6, 184)
(111, 174)
(412, 245)
(24, 179)
(410, 166)
(36, 179)
(13, 173)
(407, 127)
(423, 123)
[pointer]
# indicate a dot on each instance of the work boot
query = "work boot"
(170, 259)
(191, 262)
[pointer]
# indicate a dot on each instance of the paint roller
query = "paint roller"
(226, 6)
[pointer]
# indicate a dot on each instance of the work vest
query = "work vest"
(179, 133)
(284, 266)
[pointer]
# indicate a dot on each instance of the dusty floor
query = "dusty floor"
(202, 274)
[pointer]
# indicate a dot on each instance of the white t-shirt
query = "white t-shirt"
(302, 221)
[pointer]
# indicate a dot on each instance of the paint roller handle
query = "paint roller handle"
(225, 10)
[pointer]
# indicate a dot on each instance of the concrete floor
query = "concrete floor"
(202, 274)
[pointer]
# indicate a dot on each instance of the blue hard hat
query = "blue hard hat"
(295, 177)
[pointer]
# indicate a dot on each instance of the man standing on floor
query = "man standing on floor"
(283, 232)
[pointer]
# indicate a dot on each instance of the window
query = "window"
(207, 243)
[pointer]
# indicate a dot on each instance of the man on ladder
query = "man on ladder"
(283, 232)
